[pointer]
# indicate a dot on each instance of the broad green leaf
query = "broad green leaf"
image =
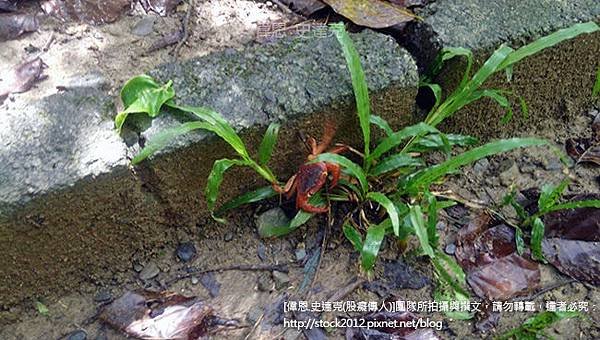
(427, 176)
(266, 146)
(375, 234)
(432, 211)
(519, 241)
(41, 308)
(142, 94)
(550, 195)
(352, 168)
(398, 137)
(537, 235)
(359, 83)
(549, 41)
(246, 198)
(436, 142)
(382, 124)
(353, 236)
(389, 207)
(216, 177)
(451, 280)
(164, 137)
(218, 125)
(395, 162)
(418, 223)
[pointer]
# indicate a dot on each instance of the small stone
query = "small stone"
(508, 176)
(195, 280)
(150, 271)
(253, 315)
(103, 295)
(77, 335)
(138, 267)
(270, 221)
(553, 164)
(300, 252)
(281, 279)
(228, 237)
(450, 249)
(144, 26)
(261, 251)
(264, 283)
(186, 251)
(481, 166)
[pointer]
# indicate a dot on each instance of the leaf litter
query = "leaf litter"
(22, 77)
(13, 25)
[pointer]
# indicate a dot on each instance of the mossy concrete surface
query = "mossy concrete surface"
(71, 206)
(556, 84)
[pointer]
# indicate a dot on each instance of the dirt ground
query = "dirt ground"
(254, 297)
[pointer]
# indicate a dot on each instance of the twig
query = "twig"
(449, 194)
(242, 267)
(346, 290)
(545, 290)
(184, 28)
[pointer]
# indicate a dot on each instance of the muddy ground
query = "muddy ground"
(253, 297)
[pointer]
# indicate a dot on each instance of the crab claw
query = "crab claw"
(302, 203)
(334, 170)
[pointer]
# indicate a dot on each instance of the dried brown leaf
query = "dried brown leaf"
(89, 11)
(371, 13)
(578, 259)
(22, 77)
(12, 25)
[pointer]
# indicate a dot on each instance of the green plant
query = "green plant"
(548, 202)
(533, 328)
(596, 89)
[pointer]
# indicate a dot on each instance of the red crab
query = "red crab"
(311, 177)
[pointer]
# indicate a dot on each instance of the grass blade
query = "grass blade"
(537, 235)
(449, 53)
(389, 207)
(533, 327)
(575, 205)
(549, 41)
(354, 237)
(498, 97)
(436, 142)
(596, 89)
(550, 195)
(432, 211)
(163, 138)
(418, 223)
(216, 177)
(246, 198)
(370, 249)
(425, 177)
(268, 142)
(397, 137)
(352, 168)
(359, 83)
(382, 124)
(395, 162)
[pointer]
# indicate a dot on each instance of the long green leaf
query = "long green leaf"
(164, 137)
(396, 138)
(550, 195)
(268, 142)
(549, 41)
(246, 198)
(490, 67)
(352, 168)
(427, 176)
(382, 124)
(395, 162)
(437, 93)
(498, 97)
(532, 328)
(418, 223)
(375, 234)
(353, 236)
(436, 142)
(448, 53)
(575, 205)
(142, 94)
(359, 83)
(537, 235)
(432, 218)
(216, 177)
(389, 207)
(596, 89)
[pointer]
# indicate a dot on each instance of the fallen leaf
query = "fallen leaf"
(160, 7)
(304, 7)
(12, 25)
(88, 11)
(396, 275)
(150, 315)
(371, 13)
(22, 77)
(412, 333)
(488, 254)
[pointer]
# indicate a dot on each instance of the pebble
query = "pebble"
(300, 252)
(144, 26)
(150, 271)
(186, 251)
(138, 267)
(264, 283)
(253, 315)
(508, 176)
(195, 280)
(228, 237)
(281, 279)
(103, 295)
(481, 166)
(77, 335)
(270, 220)
(450, 249)
(261, 251)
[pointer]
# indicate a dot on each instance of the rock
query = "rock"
(77, 335)
(300, 252)
(138, 267)
(481, 166)
(282, 280)
(264, 282)
(228, 236)
(144, 26)
(552, 164)
(508, 176)
(269, 221)
(103, 295)
(186, 251)
(254, 314)
(150, 271)
(195, 280)
(450, 249)
(261, 251)
(209, 281)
